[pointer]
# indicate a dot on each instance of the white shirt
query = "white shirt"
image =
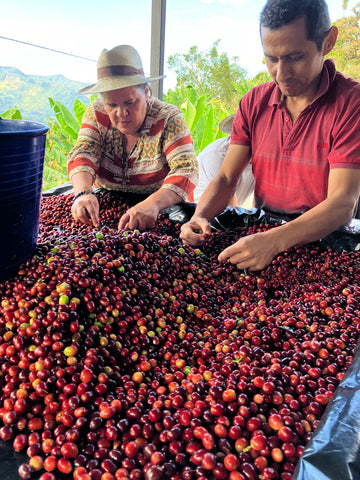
(210, 160)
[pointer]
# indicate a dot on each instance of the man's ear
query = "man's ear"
(330, 40)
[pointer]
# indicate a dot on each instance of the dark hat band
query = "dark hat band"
(115, 70)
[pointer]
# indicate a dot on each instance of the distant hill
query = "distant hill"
(29, 93)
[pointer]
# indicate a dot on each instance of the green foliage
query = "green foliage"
(62, 135)
(209, 87)
(79, 109)
(246, 85)
(58, 145)
(59, 141)
(207, 132)
(12, 114)
(66, 120)
(202, 115)
(347, 47)
(210, 73)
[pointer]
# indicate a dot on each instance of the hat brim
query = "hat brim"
(116, 83)
(226, 124)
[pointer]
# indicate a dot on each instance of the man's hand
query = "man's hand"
(253, 252)
(141, 216)
(194, 232)
(85, 209)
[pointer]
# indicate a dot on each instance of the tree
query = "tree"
(210, 72)
(208, 89)
(347, 48)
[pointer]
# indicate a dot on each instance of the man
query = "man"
(302, 133)
(210, 160)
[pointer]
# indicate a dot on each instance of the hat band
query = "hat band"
(114, 70)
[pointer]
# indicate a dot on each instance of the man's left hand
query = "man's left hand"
(253, 252)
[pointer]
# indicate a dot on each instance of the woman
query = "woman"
(130, 142)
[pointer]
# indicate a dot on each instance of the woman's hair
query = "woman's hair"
(143, 86)
(278, 13)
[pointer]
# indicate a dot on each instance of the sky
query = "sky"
(84, 28)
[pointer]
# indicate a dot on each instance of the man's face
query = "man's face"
(294, 62)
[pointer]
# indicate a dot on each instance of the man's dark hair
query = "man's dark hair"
(278, 13)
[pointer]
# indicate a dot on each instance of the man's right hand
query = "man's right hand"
(195, 231)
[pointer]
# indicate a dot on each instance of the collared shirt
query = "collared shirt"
(291, 162)
(163, 156)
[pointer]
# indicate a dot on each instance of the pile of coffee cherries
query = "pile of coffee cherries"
(128, 355)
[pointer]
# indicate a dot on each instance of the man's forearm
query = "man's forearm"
(215, 199)
(314, 224)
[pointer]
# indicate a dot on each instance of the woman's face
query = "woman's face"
(126, 108)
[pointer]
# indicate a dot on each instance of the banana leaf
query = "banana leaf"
(65, 118)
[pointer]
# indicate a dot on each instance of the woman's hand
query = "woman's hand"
(85, 209)
(141, 216)
(253, 252)
(194, 232)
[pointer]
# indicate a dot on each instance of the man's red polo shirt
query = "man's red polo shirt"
(291, 163)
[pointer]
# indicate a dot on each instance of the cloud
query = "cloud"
(238, 38)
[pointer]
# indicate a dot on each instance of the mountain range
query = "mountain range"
(30, 93)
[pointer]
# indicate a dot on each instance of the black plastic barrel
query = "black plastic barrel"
(22, 152)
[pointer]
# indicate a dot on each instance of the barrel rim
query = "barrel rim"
(33, 128)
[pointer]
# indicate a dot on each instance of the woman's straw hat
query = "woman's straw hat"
(117, 68)
(226, 124)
